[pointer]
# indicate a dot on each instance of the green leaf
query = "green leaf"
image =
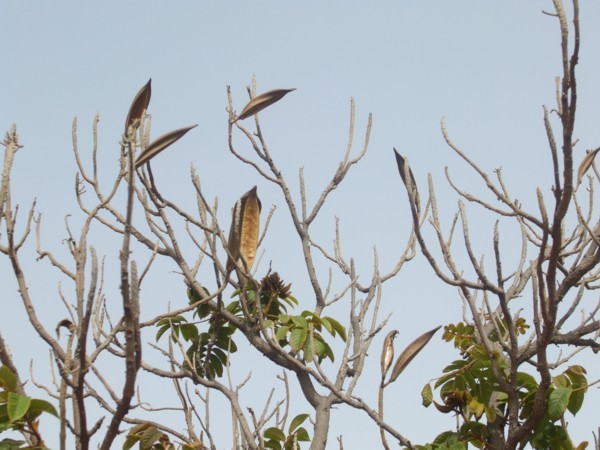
(477, 408)
(281, 333)
(38, 407)
(558, 401)
(338, 327)
(224, 341)
(302, 435)
(275, 445)
(308, 314)
(11, 444)
(291, 301)
(297, 421)
(233, 307)
(17, 406)
(220, 354)
(8, 379)
(275, 434)
(442, 438)
(561, 381)
(577, 376)
(300, 321)
(427, 395)
(3, 415)
(161, 331)
(215, 366)
(189, 331)
(327, 324)
(171, 323)
(490, 413)
(323, 349)
(297, 338)
(130, 442)
(577, 369)
(284, 318)
(455, 365)
(576, 401)
(150, 436)
(527, 381)
(457, 446)
(308, 351)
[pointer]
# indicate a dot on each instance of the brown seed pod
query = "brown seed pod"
(410, 352)
(401, 161)
(586, 164)
(139, 105)
(261, 101)
(443, 408)
(243, 234)
(65, 323)
(387, 352)
(160, 143)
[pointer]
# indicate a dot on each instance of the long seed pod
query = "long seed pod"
(243, 234)
(413, 184)
(410, 352)
(586, 164)
(443, 408)
(139, 105)
(261, 101)
(160, 143)
(387, 353)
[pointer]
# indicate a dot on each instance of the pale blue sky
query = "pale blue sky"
(488, 67)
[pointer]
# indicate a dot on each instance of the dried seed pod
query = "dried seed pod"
(65, 323)
(160, 143)
(586, 164)
(413, 184)
(139, 105)
(261, 101)
(387, 352)
(243, 234)
(443, 408)
(273, 284)
(410, 352)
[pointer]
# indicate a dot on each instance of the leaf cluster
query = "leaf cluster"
(303, 333)
(218, 338)
(276, 439)
(19, 412)
(150, 437)
(209, 349)
(470, 390)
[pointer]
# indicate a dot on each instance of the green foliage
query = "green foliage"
(276, 439)
(469, 389)
(149, 437)
(208, 351)
(18, 412)
(303, 334)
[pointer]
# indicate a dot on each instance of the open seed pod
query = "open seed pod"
(243, 234)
